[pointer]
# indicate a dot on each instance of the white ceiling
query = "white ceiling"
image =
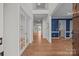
(39, 17)
(63, 10)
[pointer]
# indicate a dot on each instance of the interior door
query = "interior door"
(75, 29)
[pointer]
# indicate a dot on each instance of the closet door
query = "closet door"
(76, 29)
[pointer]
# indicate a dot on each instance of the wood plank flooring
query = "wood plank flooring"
(41, 47)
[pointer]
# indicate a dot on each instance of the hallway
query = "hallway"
(24, 24)
(41, 47)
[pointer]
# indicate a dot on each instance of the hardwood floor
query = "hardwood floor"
(41, 47)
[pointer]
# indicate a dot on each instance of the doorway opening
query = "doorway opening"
(38, 27)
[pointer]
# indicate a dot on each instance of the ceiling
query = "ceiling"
(63, 10)
(40, 5)
(39, 17)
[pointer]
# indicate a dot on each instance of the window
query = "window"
(55, 28)
(67, 28)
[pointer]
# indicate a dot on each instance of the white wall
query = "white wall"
(1, 26)
(28, 34)
(22, 31)
(28, 9)
(11, 29)
(28, 29)
(45, 28)
(35, 28)
(40, 11)
(52, 7)
(1, 19)
(49, 20)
